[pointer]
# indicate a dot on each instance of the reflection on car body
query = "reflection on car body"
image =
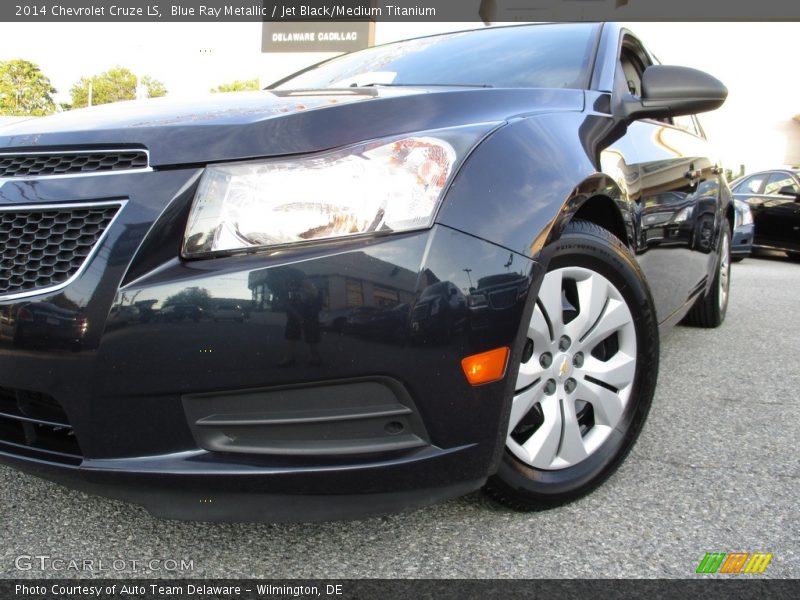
(495, 292)
(439, 313)
(45, 324)
(228, 311)
(181, 312)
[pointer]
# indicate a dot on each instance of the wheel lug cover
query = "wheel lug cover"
(546, 360)
(527, 352)
(570, 385)
(550, 387)
(564, 343)
(577, 360)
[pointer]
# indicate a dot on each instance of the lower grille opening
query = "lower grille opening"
(34, 425)
(329, 419)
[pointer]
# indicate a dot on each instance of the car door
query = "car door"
(677, 197)
(776, 215)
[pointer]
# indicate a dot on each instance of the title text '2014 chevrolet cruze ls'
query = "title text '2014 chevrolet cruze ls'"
(392, 278)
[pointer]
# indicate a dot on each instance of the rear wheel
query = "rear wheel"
(710, 309)
(587, 375)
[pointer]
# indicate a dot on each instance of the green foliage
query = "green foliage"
(114, 85)
(24, 89)
(155, 89)
(237, 86)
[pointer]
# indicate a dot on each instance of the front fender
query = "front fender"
(524, 183)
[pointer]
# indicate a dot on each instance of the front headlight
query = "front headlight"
(747, 216)
(382, 186)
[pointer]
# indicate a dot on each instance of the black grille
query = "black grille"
(66, 163)
(41, 248)
(34, 425)
(421, 311)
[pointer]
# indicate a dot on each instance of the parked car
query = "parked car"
(228, 311)
(44, 324)
(439, 312)
(774, 199)
(175, 313)
(514, 163)
(742, 241)
(334, 320)
(387, 324)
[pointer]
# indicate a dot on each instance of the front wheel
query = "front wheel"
(587, 376)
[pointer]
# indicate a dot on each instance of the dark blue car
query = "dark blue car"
(519, 204)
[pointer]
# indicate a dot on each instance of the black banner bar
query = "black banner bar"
(397, 10)
(348, 589)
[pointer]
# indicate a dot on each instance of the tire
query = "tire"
(568, 434)
(709, 310)
(793, 256)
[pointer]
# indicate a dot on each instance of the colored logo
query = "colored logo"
(734, 563)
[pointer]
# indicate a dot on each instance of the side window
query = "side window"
(751, 185)
(779, 180)
(687, 123)
(633, 60)
(632, 69)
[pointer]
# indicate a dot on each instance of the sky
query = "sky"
(757, 61)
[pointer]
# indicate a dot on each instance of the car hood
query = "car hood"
(272, 123)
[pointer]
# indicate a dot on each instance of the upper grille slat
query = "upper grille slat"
(70, 163)
(45, 247)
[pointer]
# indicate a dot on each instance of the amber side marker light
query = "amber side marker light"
(486, 366)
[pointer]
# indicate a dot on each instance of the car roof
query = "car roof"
(791, 170)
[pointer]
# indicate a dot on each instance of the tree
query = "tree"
(237, 86)
(114, 85)
(155, 89)
(24, 89)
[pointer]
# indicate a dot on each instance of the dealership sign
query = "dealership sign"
(308, 36)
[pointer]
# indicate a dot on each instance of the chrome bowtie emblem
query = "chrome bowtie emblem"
(564, 368)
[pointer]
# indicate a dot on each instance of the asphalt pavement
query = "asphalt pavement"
(715, 470)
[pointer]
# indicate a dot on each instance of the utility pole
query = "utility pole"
(469, 277)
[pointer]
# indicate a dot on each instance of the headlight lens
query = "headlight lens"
(747, 216)
(372, 187)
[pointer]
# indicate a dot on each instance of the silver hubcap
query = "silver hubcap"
(724, 272)
(573, 388)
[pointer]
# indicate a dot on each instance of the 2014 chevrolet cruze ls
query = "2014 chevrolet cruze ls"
(394, 277)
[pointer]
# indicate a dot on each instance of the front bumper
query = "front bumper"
(129, 387)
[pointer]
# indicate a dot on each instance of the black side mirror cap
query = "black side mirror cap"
(670, 91)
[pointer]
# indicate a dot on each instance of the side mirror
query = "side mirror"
(670, 91)
(789, 190)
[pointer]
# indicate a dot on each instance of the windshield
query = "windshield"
(543, 56)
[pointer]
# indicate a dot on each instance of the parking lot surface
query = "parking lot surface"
(715, 470)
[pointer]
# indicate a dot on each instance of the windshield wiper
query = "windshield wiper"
(465, 85)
